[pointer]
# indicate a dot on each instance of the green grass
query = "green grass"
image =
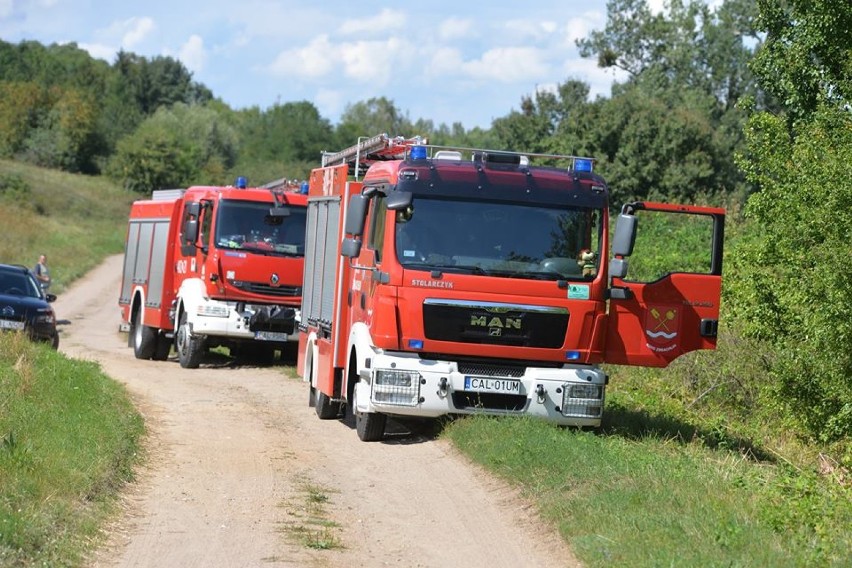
(69, 439)
(656, 501)
(310, 524)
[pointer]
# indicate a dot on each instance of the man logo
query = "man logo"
(495, 321)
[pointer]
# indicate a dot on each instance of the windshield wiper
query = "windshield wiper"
(458, 268)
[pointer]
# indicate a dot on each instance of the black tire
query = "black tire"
(55, 341)
(326, 409)
(370, 426)
(144, 339)
(189, 349)
(164, 347)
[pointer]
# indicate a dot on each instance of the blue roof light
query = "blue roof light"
(418, 152)
(583, 165)
(303, 189)
(241, 182)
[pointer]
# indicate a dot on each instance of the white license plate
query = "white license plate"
(270, 336)
(6, 324)
(483, 384)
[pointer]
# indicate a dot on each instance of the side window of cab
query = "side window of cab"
(377, 223)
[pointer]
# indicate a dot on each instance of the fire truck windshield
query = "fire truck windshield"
(248, 226)
(504, 239)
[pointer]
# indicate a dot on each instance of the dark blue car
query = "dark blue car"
(24, 306)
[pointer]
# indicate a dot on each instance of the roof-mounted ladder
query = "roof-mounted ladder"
(370, 150)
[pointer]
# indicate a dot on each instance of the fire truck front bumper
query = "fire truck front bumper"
(245, 321)
(399, 384)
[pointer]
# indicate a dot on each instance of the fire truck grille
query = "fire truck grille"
(482, 369)
(516, 326)
(267, 290)
(464, 400)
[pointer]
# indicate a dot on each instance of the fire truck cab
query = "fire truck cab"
(458, 281)
(214, 266)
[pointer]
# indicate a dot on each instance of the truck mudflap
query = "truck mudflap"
(275, 319)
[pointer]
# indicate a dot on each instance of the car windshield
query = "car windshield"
(14, 283)
(514, 240)
(247, 225)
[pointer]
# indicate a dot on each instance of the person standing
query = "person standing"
(42, 273)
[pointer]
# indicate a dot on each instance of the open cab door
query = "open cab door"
(670, 303)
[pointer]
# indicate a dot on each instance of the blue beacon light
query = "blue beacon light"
(582, 165)
(415, 344)
(241, 182)
(572, 355)
(418, 152)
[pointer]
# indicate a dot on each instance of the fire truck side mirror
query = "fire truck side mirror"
(190, 232)
(399, 200)
(356, 214)
(618, 267)
(625, 235)
(350, 247)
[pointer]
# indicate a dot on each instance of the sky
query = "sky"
(446, 61)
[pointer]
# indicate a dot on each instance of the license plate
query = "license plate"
(6, 324)
(483, 384)
(270, 336)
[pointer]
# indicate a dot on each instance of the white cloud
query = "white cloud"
(317, 59)
(508, 65)
(372, 61)
(529, 29)
(99, 51)
(445, 61)
(192, 53)
(137, 29)
(330, 102)
(384, 21)
(455, 28)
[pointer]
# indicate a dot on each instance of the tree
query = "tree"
(807, 56)
(793, 278)
(176, 147)
(368, 118)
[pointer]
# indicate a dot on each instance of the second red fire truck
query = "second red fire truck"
(454, 281)
(214, 266)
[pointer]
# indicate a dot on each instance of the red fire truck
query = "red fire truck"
(214, 266)
(458, 281)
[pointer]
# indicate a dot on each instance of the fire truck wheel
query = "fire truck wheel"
(370, 426)
(326, 409)
(144, 340)
(189, 348)
(164, 346)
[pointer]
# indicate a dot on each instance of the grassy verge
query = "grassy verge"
(690, 468)
(75, 220)
(68, 439)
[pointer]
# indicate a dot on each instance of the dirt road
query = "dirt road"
(241, 473)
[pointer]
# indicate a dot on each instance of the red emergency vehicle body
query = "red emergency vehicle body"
(212, 266)
(508, 325)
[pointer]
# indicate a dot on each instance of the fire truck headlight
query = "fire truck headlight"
(582, 400)
(396, 378)
(213, 311)
(401, 388)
